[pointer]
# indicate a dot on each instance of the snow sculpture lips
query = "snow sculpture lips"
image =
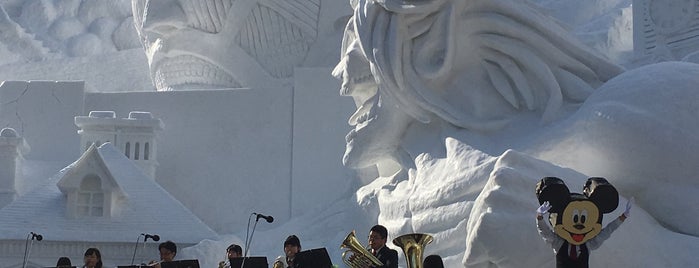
(189, 71)
(173, 35)
(209, 44)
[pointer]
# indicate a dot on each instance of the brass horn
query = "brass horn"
(413, 246)
(360, 256)
(278, 264)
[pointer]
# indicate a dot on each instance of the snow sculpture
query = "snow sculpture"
(473, 64)
(665, 30)
(40, 30)
(225, 43)
(429, 77)
(12, 149)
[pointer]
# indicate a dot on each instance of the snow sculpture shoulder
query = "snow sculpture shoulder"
(225, 43)
(474, 64)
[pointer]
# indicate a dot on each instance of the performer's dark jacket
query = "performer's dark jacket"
(389, 257)
(562, 248)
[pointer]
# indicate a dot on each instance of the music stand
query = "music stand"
(180, 264)
(313, 258)
(250, 262)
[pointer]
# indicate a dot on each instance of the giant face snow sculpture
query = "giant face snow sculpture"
(473, 64)
(224, 43)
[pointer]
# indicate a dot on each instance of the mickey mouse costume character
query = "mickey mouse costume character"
(576, 218)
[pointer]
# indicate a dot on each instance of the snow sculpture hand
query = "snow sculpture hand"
(629, 204)
(543, 208)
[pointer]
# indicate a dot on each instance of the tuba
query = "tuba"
(360, 256)
(413, 246)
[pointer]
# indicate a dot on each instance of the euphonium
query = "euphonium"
(413, 246)
(361, 257)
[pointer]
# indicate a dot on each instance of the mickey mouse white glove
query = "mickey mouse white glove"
(543, 208)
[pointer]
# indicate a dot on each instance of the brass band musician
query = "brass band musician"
(378, 236)
(63, 262)
(292, 245)
(433, 261)
(92, 258)
(233, 251)
(167, 250)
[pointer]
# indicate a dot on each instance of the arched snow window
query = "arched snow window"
(146, 147)
(90, 201)
(127, 150)
(136, 151)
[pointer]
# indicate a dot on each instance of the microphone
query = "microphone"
(249, 241)
(154, 237)
(267, 218)
(37, 236)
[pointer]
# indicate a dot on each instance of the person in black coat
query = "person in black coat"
(433, 261)
(377, 242)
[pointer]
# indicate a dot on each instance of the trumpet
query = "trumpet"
(413, 246)
(360, 256)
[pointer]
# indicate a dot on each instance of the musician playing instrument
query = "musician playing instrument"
(63, 262)
(433, 261)
(377, 242)
(233, 251)
(93, 258)
(292, 245)
(167, 250)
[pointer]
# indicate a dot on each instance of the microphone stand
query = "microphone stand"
(248, 242)
(27, 249)
(136, 247)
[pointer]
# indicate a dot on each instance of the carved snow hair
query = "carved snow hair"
(528, 58)
(206, 15)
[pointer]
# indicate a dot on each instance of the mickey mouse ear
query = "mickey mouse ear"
(555, 191)
(602, 193)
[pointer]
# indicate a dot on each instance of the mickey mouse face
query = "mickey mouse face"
(575, 217)
(579, 222)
